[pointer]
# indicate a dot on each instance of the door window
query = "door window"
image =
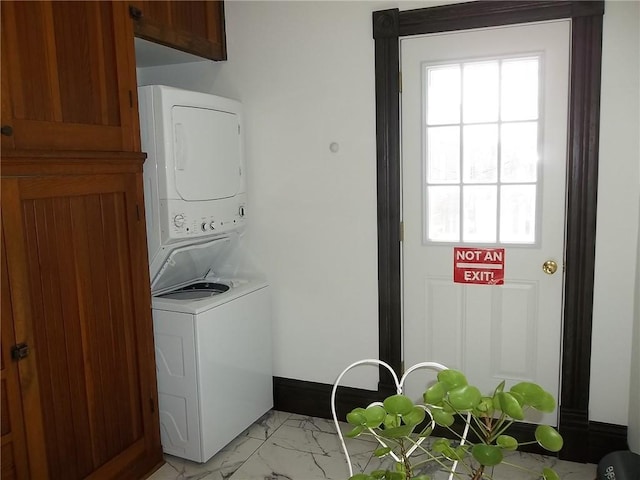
(481, 159)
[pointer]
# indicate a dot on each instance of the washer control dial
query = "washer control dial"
(178, 220)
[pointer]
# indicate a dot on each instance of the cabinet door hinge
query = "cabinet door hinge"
(402, 231)
(19, 351)
(400, 81)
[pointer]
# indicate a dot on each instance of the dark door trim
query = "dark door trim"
(582, 178)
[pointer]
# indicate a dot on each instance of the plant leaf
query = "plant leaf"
(356, 416)
(549, 474)
(484, 408)
(391, 421)
(427, 431)
(461, 451)
(487, 455)
(374, 416)
(531, 393)
(519, 398)
(395, 476)
(464, 398)
(398, 404)
(435, 393)
(453, 454)
(382, 451)
(453, 378)
(549, 438)
(509, 405)
(442, 418)
(415, 417)
(507, 442)
(547, 403)
(357, 430)
(361, 476)
(440, 445)
(397, 432)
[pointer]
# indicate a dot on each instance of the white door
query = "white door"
(484, 129)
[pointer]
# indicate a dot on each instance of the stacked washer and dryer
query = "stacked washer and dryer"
(211, 313)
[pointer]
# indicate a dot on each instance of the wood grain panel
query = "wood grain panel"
(70, 75)
(5, 93)
(196, 27)
(191, 17)
(84, 299)
(8, 471)
(14, 449)
(32, 99)
(90, 321)
(87, 62)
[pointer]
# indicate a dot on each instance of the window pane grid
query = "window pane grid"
(482, 151)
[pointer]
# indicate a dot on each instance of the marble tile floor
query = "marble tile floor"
(285, 446)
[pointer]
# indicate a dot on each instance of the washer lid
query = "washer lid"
(186, 263)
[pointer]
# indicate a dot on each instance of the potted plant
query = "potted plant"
(398, 426)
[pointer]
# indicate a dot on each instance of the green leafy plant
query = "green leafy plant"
(395, 424)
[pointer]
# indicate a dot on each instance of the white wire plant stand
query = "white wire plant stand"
(399, 383)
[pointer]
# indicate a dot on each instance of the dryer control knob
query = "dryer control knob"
(204, 226)
(212, 225)
(178, 220)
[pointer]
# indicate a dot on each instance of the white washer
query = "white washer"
(211, 313)
(213, 351)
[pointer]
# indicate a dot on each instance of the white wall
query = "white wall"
(305, 73)
(617, 227)
(634, 383)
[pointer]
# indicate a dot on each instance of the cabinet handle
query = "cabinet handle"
(135, 12)
(6, 130)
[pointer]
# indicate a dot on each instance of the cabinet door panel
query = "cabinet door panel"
(196, 27)
(14, 448)
(91, 322)
(69, 75)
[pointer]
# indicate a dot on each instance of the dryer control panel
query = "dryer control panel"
(200, 219)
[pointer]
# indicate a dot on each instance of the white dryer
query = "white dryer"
(211, 315)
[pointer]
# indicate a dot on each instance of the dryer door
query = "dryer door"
(207, 153)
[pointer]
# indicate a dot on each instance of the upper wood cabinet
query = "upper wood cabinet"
(68, 76)
(195, 27)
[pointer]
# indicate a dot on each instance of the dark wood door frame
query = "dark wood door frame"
(582, 180)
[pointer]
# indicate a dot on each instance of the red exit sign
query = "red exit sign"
(480, 266)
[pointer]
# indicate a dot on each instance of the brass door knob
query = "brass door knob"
(549, 267)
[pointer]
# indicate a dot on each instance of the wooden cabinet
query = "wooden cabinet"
(195, 27)
(14, 449)
(68, 76)
(77, 290)
(79, 398)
